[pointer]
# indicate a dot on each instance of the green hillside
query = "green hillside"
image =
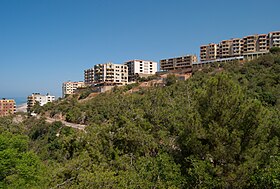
(219, 129)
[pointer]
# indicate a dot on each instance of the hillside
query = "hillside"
(219, 129)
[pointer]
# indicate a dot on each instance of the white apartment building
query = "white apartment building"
(141, 68)
(110, 74)
(69, 87)
(37, 97)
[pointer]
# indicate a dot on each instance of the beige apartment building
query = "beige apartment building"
(274, 39)
(7, 107)
(70, 87)
(110, 74)
(250, 46)
(237, 47)
(208, 52)
(89, 76)
(263, 43)
(203, 52)
(225, 49)
(178, 63)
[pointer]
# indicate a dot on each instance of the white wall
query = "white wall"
(144, 67)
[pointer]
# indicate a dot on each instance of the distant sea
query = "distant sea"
(19, 100)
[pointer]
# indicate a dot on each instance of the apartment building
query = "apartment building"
(89, 76)
(208, 52)
(224, 49)
(41, 99)
(263, 43)
(204, 53)
(70, 87)
(110, 74)
(178, 63)
(237, 47)
(140, 68)
(274, 39)
(230, 48)
(251, 46)
(7, 107)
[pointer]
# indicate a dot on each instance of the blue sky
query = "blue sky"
(46, 42)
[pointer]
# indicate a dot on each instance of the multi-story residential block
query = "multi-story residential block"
(7, 107)
(178, 63)
(110, 74)
(41, 99)
(237, 47)
(274, 39)
(225, 49)
(256, 43)
(89, 76)
(250, 44)
(70, 87)
(208, 52)
(248, 47)
(211, 51)
(203, 52)
(262, 43)
(140, 68)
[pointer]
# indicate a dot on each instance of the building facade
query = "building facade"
(263, 43)
(70, 87)
(237, 47)
(208, 52)
(224, 49)
(274, 39)
(7, 107)
(140, 68)
(89, 76)
(110, 74)
(249, 46)
(178, 63)
(41, 99)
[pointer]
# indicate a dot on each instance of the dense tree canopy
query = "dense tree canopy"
(219, 129)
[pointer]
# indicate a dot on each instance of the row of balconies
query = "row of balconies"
(166, 67)
(180, 65)
(274, 34)
(167, 63)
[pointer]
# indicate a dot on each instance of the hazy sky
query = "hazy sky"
(46, 42)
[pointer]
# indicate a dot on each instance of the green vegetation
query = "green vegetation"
(219, 129)
(275, 50)
(149, 78)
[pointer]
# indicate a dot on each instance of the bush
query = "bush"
(274, 50)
